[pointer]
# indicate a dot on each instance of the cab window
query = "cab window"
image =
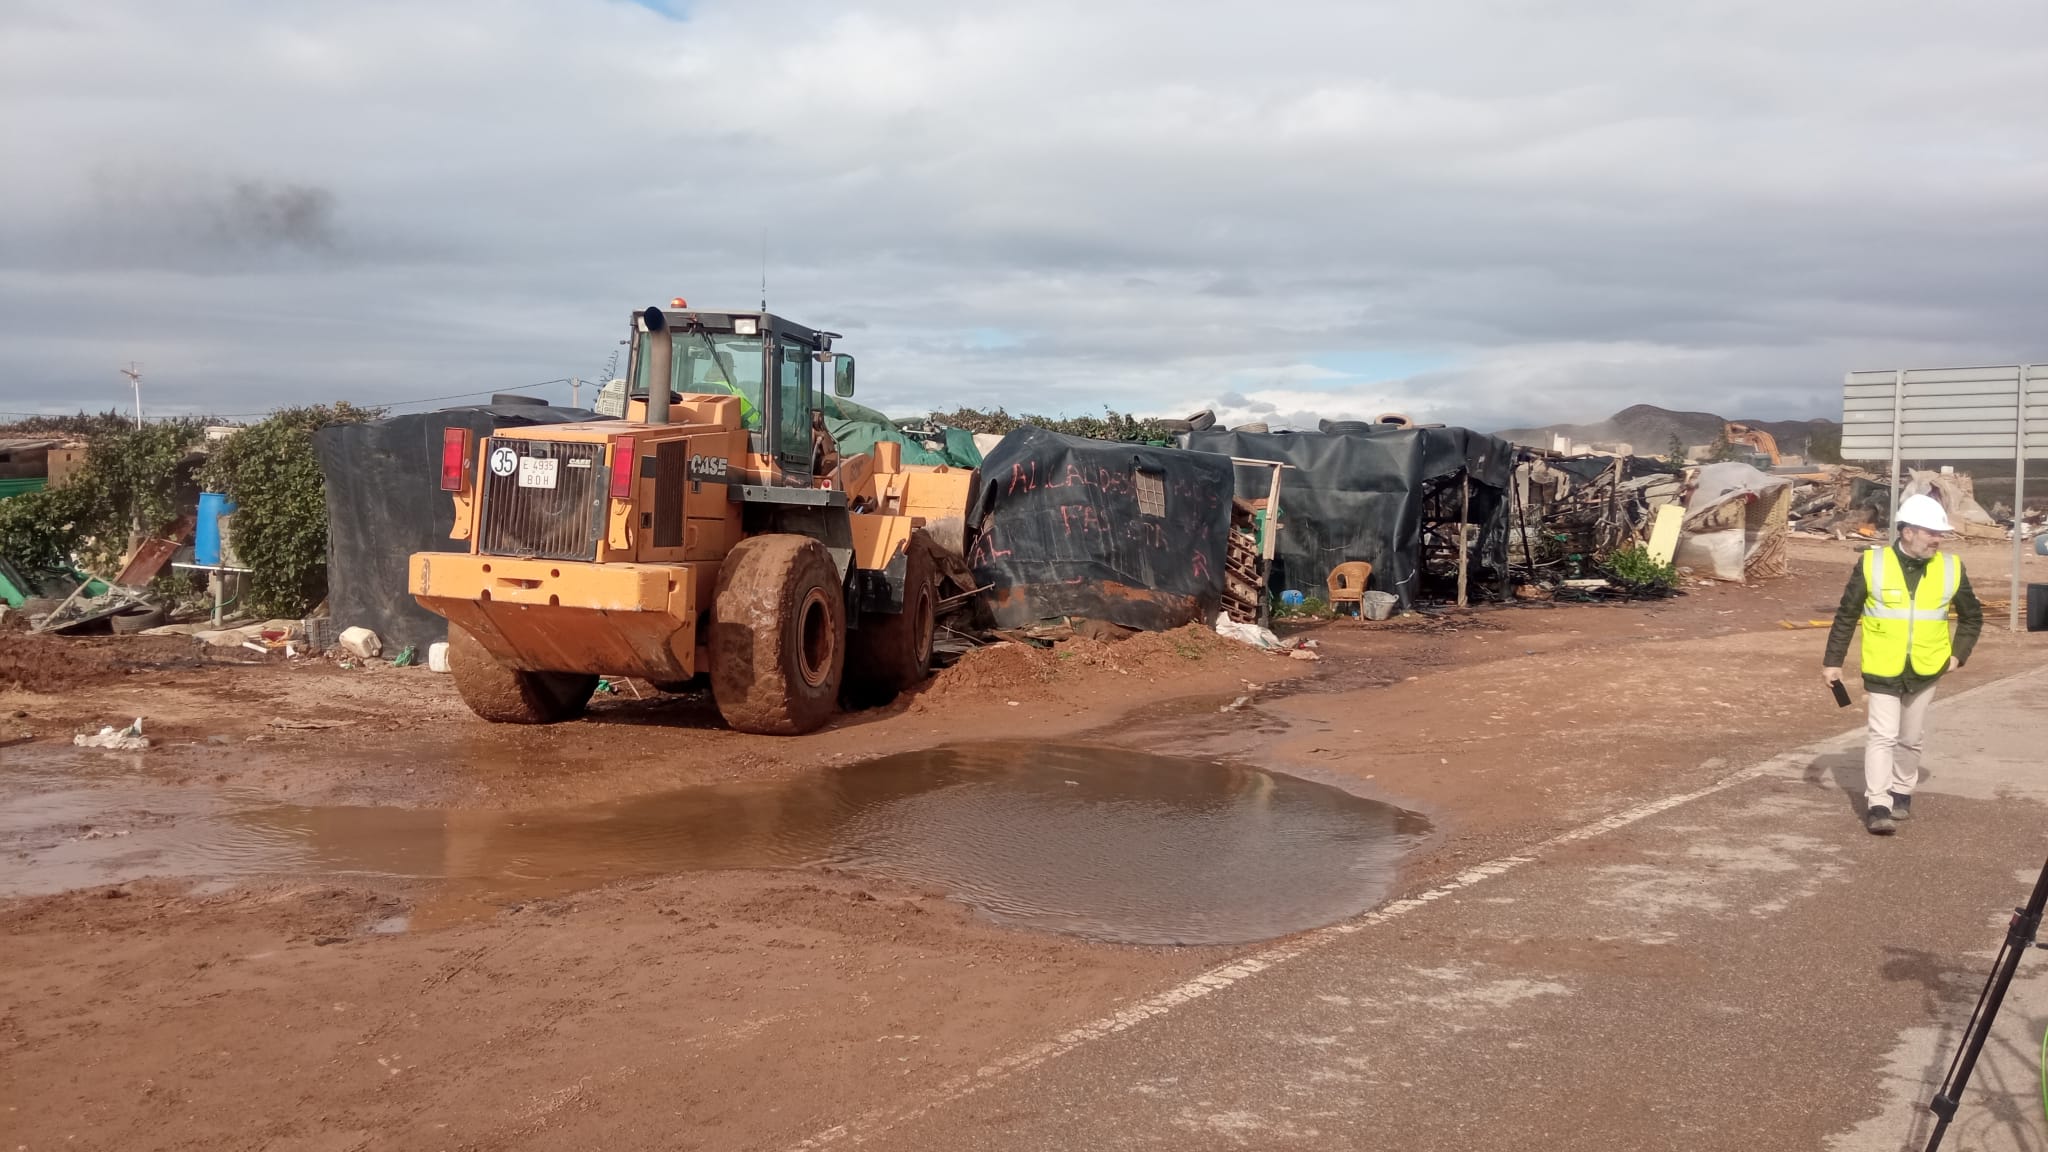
(711, 364)
(793, 367)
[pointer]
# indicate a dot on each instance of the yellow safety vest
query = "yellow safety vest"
(1896, 623)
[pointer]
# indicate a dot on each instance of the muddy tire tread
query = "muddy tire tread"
(890, 653)
(754, 639)
(506, 696)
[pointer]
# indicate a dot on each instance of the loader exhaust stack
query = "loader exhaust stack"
(660, 357)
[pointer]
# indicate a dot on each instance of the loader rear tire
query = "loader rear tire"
(890, 653)
(778, 636)
(507, 696)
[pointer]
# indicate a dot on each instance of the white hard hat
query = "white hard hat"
(1925, 512)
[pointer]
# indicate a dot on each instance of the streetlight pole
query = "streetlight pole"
(134, 374)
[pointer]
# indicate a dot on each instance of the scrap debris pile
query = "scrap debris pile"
(1840, 501)
(1572, 513)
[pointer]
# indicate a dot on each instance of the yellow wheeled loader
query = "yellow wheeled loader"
(713, 534)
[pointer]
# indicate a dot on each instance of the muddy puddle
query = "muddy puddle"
(1102, 843)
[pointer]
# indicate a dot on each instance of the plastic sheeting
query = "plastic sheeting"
(857, 428)
(858, 436)
(384, 503)
(1361, 495)
(1719, 483)
(1123, 533)
(1632, 467)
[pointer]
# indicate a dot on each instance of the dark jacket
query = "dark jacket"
(1969, 622)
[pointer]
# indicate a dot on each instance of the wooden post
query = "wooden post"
(1464, 514)
(1614, 506)
(1272, 514)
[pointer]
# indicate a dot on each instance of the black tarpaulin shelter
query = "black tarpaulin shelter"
(1385, 496)
(384, 503)
(1594, 467)
(1123, 533)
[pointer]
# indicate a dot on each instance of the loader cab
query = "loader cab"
(776, 367)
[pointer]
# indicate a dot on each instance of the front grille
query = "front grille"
(524, 515)
(671, 460)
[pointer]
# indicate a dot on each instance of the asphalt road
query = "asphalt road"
(1736, 968)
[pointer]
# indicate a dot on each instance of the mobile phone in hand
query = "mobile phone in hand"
(1841, 693)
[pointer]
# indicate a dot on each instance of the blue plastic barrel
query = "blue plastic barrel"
(206, 538)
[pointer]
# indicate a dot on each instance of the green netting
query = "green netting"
(23, 486)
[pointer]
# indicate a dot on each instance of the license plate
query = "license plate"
(535, 472)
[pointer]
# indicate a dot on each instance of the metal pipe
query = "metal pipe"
(1898, 424)
(661, 351)
(2019, 498)
(1464, 516)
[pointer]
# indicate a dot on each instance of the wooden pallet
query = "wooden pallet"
(1244, 579)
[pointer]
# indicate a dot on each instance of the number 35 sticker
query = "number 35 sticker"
(504, 462)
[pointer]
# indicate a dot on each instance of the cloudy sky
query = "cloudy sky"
(1489, 212)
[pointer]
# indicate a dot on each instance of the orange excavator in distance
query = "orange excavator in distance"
(712, 536)
(1756, 439)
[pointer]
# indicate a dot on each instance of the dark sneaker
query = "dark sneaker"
(1878, 821)
(1902, 806)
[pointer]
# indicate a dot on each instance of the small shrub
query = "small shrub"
(1313, 608)
(1633, 567)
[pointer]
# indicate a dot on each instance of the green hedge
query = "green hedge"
(280, 527)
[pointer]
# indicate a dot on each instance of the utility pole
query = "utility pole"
(575, 391)
(134, 374)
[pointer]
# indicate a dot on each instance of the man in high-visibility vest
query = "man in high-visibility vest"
(1901, 595)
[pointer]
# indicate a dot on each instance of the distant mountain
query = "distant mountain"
(1649, 429)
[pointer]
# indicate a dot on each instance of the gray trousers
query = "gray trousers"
(1891, 752)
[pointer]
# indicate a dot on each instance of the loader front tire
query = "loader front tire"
(508, 696)
(890, 653)
(778, 636)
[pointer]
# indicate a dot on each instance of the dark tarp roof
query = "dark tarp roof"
(1360, 496)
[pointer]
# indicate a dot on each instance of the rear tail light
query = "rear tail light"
(454, 459)
(625, 468)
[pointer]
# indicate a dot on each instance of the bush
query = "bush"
(1111, 425)
(131, 482)
(80, 426)
(1634, 568)
(39, 531)
(280, 529)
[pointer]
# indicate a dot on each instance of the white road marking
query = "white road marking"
(877, 1121)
